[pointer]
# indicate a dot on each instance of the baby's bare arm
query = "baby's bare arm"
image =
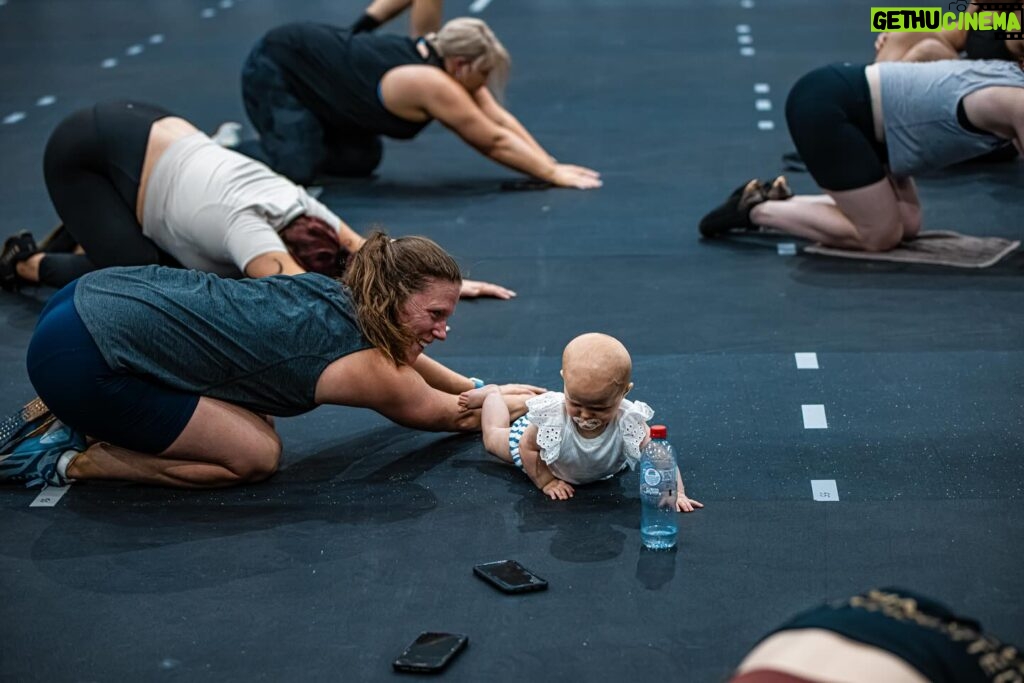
(537, 470)
(683, 502)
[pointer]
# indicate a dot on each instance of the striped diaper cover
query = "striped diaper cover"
(515, 433)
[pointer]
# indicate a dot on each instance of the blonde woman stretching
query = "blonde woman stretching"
(321, 97)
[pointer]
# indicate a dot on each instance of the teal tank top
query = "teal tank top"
(261, 344)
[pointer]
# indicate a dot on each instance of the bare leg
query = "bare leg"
(813, 199)
(29, 268)
(929, 50)
(867, 218)
(909, 206)
(911, 47)
(222, 445)
(494, 418)
(425, 17)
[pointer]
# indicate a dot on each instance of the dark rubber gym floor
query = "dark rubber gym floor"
(368, 534)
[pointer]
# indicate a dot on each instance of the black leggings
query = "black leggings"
(93, 165)
(292, 141)
(829, 117)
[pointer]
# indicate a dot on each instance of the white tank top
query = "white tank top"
(215, 210)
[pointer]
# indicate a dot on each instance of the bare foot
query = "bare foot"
(470, 400)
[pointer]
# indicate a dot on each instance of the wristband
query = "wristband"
(477, 382)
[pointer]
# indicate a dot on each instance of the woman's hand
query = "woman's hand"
(472, 289)
(578, 177)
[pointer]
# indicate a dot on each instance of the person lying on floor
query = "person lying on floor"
(134, 185)
(167, 376)
(864, 131)
(589, 432)
(933, 46)
(888, 635)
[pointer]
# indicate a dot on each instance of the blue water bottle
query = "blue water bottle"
(658, 491)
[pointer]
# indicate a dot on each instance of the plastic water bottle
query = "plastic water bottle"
(658, 491)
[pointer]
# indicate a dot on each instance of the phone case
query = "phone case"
(490, 572)
(423, 656)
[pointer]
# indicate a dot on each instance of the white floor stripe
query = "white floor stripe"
(747, 4)
(45, 101)
(49, 496)
(208, 13)
(747, 51)
(786, 249)
(806, 361)
(14, 117)
(825, 490)
(156, 39)
(766, 125)
(108, 63)
(762, 104)
(814, 416)
(226, 4)
(743, 28)
(134, 50)
(762, 88)
(478, 6)
(745, 39)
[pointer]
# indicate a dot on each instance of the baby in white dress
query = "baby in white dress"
(586, 433)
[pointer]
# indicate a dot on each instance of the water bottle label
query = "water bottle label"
(652, 477)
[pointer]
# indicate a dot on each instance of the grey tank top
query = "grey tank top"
(919, 103)
(261, 344)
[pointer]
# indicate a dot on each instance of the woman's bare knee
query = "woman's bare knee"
(258, 464)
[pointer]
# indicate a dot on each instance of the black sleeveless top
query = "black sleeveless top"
(336, 75)
(943, 646)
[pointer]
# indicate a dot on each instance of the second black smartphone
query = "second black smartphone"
(510, 576)
(430, 652)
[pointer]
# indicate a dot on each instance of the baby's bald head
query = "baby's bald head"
(596, 366)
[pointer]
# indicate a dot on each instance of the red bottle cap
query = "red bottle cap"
(659, 432)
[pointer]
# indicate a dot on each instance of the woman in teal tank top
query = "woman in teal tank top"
(173, 374)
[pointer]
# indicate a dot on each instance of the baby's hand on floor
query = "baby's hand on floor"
(556, 489)
(684, 504)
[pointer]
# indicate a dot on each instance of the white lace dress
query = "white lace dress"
(576, 459)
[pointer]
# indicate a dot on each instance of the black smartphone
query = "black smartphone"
(510, 576)
(430, 652)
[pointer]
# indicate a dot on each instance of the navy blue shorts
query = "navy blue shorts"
(69, 373)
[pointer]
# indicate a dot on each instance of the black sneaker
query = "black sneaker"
(16, 249)
(734, 212)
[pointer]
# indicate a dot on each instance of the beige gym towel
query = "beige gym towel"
(937, 248)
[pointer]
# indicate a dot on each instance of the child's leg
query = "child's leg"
(494, 418)
(494, 423)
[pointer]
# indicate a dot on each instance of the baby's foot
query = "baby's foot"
(474, 398)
